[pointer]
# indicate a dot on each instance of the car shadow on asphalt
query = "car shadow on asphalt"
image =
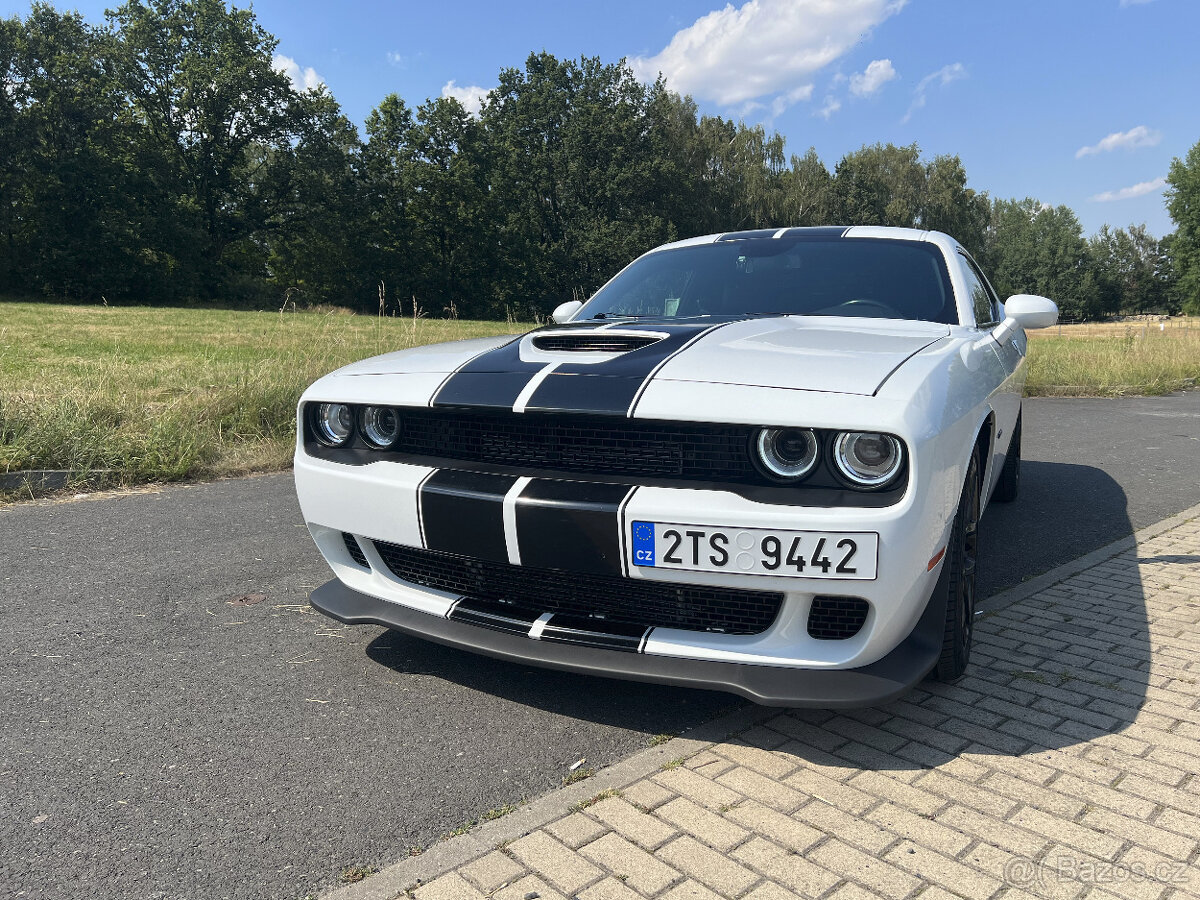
(638, 706)
(1064, 667)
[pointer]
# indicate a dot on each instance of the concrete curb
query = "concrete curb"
(45, 479)
(395, 879)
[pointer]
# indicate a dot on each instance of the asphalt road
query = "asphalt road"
(160, 742)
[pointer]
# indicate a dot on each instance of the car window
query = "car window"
(979, 295)
(761, 276)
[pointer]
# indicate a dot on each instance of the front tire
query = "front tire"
(1009, 484)
(960, 583)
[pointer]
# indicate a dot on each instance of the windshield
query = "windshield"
(837, 277)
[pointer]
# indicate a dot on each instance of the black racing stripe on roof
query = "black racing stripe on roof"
(748, 235)
(817, 233)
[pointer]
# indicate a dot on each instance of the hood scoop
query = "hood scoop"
(594, 341)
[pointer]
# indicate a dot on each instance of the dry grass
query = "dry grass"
(167, 394)
(1114, 359)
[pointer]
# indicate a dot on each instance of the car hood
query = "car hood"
(605, 367)
(807, 353)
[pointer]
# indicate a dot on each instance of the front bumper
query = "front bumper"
(869, 685)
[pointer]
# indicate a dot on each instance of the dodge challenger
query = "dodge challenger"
(752, 462)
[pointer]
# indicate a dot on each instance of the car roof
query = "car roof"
(820, 233)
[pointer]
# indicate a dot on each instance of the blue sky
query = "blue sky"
(1082, 102)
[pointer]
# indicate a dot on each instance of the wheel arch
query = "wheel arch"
(985, 444)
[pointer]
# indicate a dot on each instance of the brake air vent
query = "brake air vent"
(594, 342)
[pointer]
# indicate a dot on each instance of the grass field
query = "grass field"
(1114, 359)
(135, 395)
(165, 394)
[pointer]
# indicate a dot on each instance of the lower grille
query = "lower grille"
(354, 550)
(836, 618)
(613, 599)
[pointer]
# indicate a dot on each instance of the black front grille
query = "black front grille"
(600, 342)
(836, 618)
(583, 444)
(609, 598)
(354, 550)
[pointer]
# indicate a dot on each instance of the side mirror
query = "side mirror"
(563, 312)
(1031, 311)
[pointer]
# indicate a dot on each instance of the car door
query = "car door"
(1010, 351)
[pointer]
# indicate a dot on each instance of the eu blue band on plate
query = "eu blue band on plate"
(643, 544)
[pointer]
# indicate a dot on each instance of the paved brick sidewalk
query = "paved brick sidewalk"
(1066, 764)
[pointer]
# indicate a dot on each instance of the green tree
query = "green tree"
(1034, 248)
(807, 189)
(318, 229)
(68, 194)
(1131, 271)
(386, 177)
(576, 186)
(1183, 203)
(950, 206)
(880, 185)
(215, 116)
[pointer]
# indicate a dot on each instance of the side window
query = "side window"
(981, 298)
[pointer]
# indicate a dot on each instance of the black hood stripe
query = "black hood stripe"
(500, 379)
(609, 388)
(492, 379)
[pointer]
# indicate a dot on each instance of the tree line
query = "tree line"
(161, 158)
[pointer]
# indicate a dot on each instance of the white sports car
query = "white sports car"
(753, 462)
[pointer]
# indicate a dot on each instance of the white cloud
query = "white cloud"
(832, 105)
(878, 73)
(1135, 190)
(762, 48)
(942, 77)
(471, 96)
(303, 79)
(1141, 136)
(783, 101)
(399, 60)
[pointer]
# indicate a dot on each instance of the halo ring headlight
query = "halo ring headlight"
(380, 426)
(333, 423)
(868, 459)
(787, 454)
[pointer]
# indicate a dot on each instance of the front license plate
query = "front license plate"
(756, 551)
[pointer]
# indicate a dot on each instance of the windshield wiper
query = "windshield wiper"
(626, 316)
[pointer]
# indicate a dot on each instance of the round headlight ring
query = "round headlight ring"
(380, 426)
(868, 459)
(787, 454)
(334, 424)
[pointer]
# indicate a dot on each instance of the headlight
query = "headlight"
(381, 425)
(333, 423)
(787, 453)
(866, 458)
